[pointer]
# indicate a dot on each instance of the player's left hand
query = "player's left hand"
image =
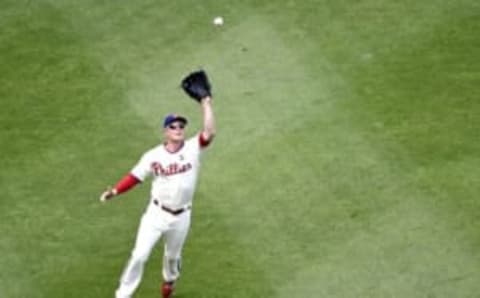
(108, 194)
(197, 85)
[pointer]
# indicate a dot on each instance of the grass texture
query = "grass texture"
(346, 162)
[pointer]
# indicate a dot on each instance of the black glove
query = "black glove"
(196, 85)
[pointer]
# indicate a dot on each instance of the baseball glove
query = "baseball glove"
(196, 85)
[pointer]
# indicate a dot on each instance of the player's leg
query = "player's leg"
(147, 236)
(174, 241)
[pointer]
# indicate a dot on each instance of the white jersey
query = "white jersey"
(174, 174)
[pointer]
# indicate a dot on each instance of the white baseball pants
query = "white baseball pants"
(155, 223)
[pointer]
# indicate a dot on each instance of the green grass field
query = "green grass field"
(346, 163)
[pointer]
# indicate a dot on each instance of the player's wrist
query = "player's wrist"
(206, 100)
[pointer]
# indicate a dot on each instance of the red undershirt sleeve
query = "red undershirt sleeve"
(126, 183)
(202, 141)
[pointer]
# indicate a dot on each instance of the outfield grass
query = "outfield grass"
(346, 163)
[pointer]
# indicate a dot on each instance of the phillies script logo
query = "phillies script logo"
(169, 170)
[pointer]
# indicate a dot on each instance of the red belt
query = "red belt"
(171, 211)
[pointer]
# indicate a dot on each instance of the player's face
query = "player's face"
(175, 131)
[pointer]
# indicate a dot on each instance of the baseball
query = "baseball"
(218, 21)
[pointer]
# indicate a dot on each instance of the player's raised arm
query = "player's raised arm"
(209, 128)
(198, 87)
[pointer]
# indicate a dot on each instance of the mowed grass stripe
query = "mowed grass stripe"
(458, 273)
(429, 122)
(59, 100)
(428, 199)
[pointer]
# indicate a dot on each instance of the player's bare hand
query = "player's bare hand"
(108, 194)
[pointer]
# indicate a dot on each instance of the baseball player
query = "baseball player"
(173, 167)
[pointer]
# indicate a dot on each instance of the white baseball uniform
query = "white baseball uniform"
(174, 178)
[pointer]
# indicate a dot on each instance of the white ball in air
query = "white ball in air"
(218, 21)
